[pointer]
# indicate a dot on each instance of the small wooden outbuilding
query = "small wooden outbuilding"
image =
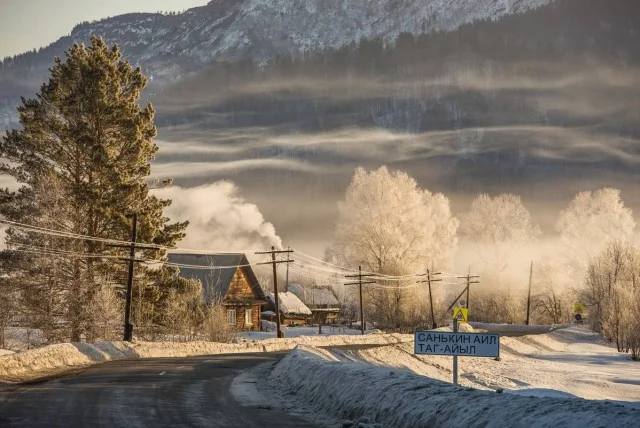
(292, 311)
(321, 300)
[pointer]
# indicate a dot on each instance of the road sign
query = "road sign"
(432, 342)
(578, 308)
(460, 314)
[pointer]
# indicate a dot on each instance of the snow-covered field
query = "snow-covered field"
(328, 384)
(565, 376)
(570, 361)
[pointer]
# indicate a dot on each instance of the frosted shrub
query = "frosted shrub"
(216, 328)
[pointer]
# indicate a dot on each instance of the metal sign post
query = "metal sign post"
(455, 357)
(455, 344)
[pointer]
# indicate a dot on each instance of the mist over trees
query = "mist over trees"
(592, 219)
(497, 227)
(388, 225)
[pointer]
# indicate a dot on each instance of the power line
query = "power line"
(77, 236)
(64, 234)
(331, 270)
(274, 264)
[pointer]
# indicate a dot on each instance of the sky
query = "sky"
(28, 24)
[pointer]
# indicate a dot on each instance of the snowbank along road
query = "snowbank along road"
(565, 377)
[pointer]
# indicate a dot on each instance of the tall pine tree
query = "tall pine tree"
(81, 158)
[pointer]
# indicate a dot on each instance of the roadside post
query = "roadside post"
(579, 311)
(455, 344)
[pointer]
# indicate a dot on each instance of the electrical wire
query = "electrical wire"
(70, 235)
(319, 264)
(330, 270)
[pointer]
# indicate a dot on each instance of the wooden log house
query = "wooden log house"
(226, 278)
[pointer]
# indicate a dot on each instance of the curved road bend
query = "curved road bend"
(145, 393)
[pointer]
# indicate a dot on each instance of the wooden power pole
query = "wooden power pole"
(128, 326)
(286, 280)
(274, 263)
(429, 280)
(468, 279)
(360, 283)
(529, 293)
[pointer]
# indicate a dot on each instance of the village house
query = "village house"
(292, 311)
(228, 279)
(321, 300)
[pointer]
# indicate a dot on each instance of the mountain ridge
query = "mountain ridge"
(169, 47)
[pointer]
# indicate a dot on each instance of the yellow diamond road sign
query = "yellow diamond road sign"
(460, 314)
(578, 308)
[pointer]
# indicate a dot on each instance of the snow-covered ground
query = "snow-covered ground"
(321, 381)
(60, 357)
(568, 361)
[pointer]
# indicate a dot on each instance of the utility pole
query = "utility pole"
(468, 278)
(274, 263)
(429, 281)
(128, 326)
(286, 283)
(360, 283)
(529, 294)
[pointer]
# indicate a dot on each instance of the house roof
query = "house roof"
(290, 304)
(315, 297)
(221, 268)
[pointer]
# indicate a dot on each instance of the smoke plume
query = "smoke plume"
(220, 218)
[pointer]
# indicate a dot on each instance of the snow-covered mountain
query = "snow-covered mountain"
(170, 45)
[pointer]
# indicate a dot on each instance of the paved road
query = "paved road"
(144, 393)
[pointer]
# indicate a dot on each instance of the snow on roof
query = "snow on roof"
(315, 296)
(290, 304)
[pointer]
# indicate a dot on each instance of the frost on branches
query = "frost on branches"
(611, 293)
(497, 227)
(591, 220)
(388, 225)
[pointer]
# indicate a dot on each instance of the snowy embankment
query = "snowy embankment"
(571, 361)
(515, 329)
(361, 392)
(35, 363)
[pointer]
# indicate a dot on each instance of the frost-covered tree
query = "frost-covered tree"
(389, 225)
(497, 225)
(592, 219)
(611, 293)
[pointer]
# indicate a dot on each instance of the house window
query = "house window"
(231, 316)
(248, 317)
